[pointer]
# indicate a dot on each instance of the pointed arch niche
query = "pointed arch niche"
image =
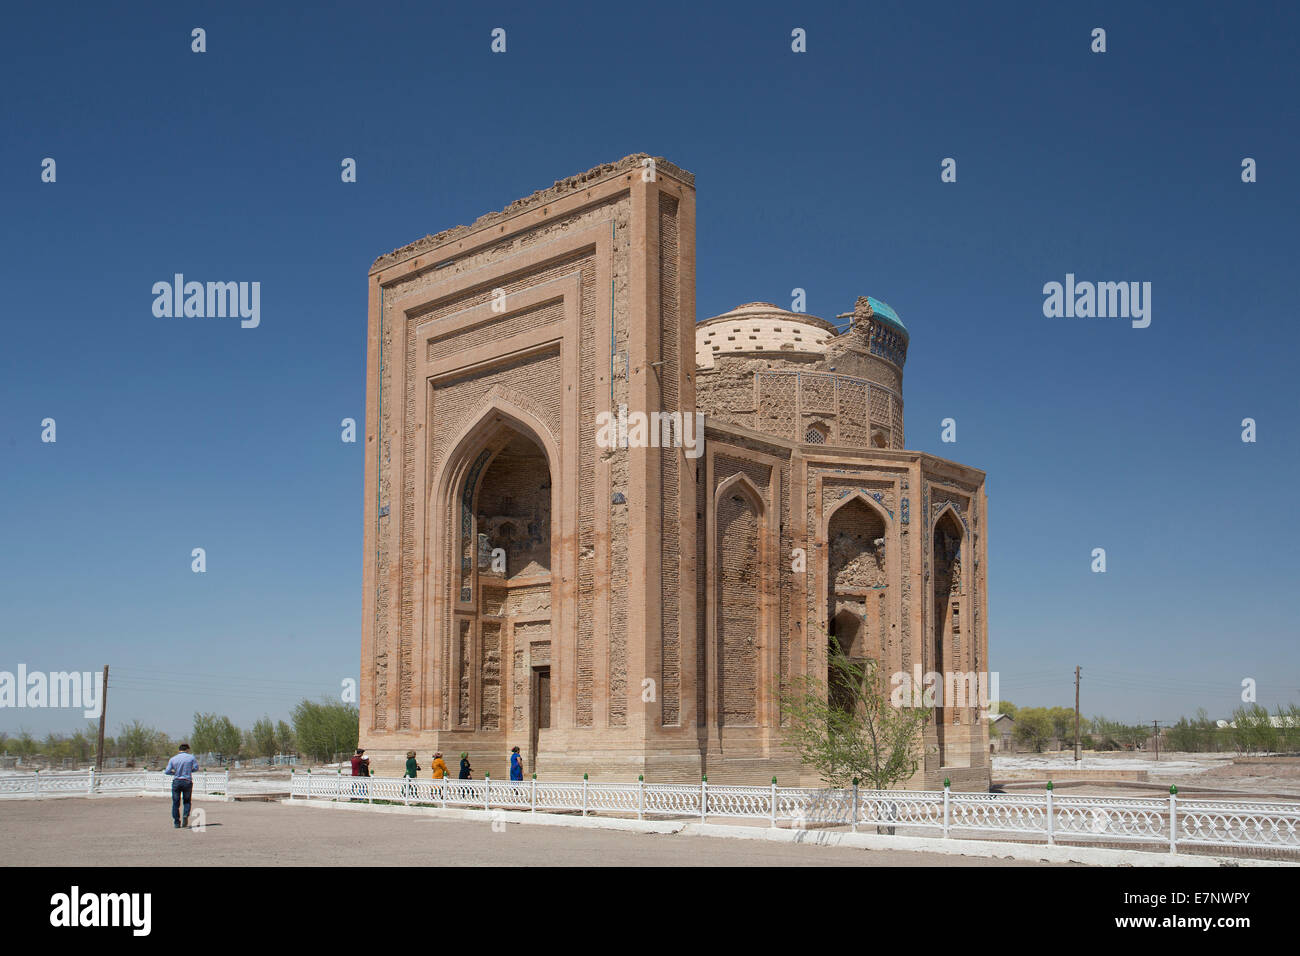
(859, 586)
(949, 624)
(742, 616)
(497, 562)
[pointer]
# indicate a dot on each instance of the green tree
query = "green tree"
(230, 740)
(216, 734)
(24, 744)
(261, 739)
(1113, 735)
(325, 728)
(1197, 735)
(847, 728)
(1062, 719)
(1290, 733)
(205, 738)
(284, 740)
(163, 745)
(1253, 730)
(1033, 727)
(86, 740)
(55, 747)
(137, 740)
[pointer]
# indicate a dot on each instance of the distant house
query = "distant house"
(1001, 733)
(1281, 721)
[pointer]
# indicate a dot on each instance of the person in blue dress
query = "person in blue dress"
(516, 764)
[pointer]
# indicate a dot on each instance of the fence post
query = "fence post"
(90, 780)
(534, 796)
(947, 813)
(704, 797)
(584, 794)
(38, 783)
(1173, 819)
(338, 784)
(1051, 832)
(292, 775)
(487, 790)
(854, 822)
(772, 815)
(640, 796)
(225, 784)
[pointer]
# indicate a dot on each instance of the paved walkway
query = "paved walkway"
(137, 831)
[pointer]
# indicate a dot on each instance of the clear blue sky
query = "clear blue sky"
(816, 170)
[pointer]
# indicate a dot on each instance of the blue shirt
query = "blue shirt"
(182, 766)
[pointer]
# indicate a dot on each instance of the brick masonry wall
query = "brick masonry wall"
(489, 659)
(453, 403)
(785, 396)
(738, 616)
(669, 476)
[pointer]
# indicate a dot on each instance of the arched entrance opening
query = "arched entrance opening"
(947, 580)
(499, 661)
(857, 585)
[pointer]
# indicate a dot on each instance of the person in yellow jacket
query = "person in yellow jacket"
(439, 766)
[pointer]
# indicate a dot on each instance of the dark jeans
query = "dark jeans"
(181, 788)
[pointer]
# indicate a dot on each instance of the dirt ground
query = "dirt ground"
(1271, 778)
(137, 831)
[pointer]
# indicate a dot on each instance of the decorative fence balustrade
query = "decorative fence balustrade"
(1168, 821)
(37, 784)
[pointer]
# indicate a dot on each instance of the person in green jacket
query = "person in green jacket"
(412, 769)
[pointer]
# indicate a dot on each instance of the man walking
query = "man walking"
(181, 769)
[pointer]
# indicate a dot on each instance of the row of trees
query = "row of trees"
(218, 734)
(133, 741)
(319, 731)
(1251, 729)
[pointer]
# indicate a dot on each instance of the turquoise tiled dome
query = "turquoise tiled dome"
(883, 310)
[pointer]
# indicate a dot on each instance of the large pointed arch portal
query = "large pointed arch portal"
(948, 590)
(496, 576)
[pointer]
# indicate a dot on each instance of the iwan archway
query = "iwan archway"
(498, 547)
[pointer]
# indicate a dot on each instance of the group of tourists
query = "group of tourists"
(361, 765)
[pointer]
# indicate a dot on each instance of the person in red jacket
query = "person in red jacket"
(360, 764)
(360, 768)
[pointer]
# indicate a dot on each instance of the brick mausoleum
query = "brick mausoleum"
(650, 598)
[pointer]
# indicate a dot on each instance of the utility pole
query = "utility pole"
(1155, 730)
(103, 716)
(1077, 754)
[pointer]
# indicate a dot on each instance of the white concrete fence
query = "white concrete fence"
(1171, 821)
(54, 784)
